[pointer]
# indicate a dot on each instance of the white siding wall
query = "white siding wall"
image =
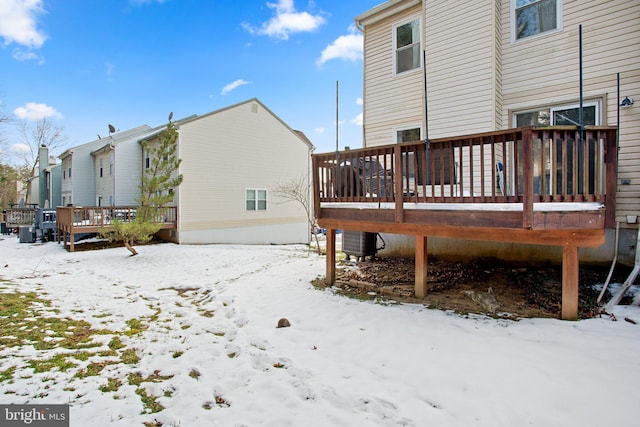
(391, 101)
(544, 71)
(83, 175)
(66, 186)
(104, 183)
(463, 48)
(128, 166)
(227, 152)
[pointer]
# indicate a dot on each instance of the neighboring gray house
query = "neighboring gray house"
(81, 168)
(44, 186)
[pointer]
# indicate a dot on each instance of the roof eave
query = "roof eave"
(383, 11)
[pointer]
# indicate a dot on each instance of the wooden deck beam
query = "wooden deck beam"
(590, 238)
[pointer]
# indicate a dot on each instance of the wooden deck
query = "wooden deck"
(547, 186)
(72, 221)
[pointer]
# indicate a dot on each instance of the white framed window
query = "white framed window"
(567, 114)
(533, 17)
(406, 46)
(100, 169)
(407, 134)
(255, 199)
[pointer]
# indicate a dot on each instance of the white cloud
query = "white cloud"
(286, 21)
(20, 148)
(359, 101)
(35, 111)
(233, 85)
(319, 130)
(357, 120)
(347, 47)
(29, 55)
(18, 22)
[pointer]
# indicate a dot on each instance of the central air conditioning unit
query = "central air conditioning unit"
(359, 244)
(27, 234)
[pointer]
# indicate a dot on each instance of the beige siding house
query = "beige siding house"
(232, 160)
(497, 64)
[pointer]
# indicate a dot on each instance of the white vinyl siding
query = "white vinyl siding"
(104, 182)
(249, 149)
(463, 75)
(390, 100)
(540, 72)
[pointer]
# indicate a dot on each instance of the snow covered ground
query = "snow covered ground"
(212, 313)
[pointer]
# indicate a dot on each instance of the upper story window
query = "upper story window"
(406, 46)
(100, 170)
(256, 200)
(533, 17)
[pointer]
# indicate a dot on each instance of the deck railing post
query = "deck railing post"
(527, 179)
(316, 186)
(399, 199)
(611, 162)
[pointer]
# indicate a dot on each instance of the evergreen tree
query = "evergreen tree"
(159, 181)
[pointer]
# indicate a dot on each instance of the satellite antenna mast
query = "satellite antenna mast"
(337, 116)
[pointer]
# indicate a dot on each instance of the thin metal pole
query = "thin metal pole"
(337, 116)
(581, 119)
(426, 109)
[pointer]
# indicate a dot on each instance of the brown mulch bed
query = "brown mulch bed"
(518, 290)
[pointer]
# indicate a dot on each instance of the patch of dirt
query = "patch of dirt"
(464, 287)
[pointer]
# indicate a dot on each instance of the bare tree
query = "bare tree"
(42, 133)
(4, 120)
(298, 190)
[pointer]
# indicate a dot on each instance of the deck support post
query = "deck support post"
(330, 257)
(570, 275)
(421, 267)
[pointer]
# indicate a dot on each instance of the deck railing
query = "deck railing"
(521, 165)
(75, 217)
(16, 217)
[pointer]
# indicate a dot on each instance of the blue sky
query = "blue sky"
(85, 64)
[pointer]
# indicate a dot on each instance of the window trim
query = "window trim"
(407, 127)
(256, 200)
(512, 17)
(394, 49)
(564, 106)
